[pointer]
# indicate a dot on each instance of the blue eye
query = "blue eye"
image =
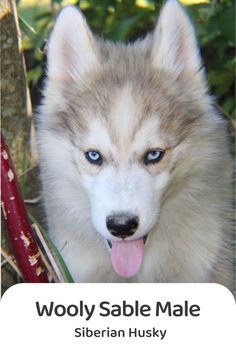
(94, 157)
(153, 156)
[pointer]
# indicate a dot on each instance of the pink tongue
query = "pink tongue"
(127, 257)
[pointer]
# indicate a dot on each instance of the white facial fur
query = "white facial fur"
(133, 191)
(122, 184)
(192, 216)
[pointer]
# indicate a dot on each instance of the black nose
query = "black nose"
(122, 225)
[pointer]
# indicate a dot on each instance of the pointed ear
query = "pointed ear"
(175, 47)
(71, 48)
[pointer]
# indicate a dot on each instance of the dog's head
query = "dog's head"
(127, 112)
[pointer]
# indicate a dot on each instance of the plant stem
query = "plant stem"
(17, 223)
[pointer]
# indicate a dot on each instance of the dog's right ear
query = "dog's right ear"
(175, 48)
(71, 48)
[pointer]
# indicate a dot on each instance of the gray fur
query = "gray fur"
(192, 241)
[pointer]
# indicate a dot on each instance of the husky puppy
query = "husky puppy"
(134, 158)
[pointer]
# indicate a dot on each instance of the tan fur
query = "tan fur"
(123, 106)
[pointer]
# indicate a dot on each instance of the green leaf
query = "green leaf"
(34, 75)
(55, 251)
(124, 28)
(221, 82)
(29, 30)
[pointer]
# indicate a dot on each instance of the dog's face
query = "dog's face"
(123, 111)
(124, 165)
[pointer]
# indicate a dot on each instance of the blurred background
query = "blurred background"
(126, 20)
(118, 20)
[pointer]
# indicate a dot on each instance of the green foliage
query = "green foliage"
(126, 20)
(215, 30)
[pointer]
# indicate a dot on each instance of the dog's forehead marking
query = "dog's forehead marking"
(125, 119)
(122, 115)
(129, 128)
(98, 135)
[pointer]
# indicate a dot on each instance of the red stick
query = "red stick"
(17, 222)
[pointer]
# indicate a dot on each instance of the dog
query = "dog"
(134, 158)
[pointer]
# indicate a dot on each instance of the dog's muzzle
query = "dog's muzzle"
(121, 225)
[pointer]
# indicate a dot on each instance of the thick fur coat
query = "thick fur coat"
(117, 103)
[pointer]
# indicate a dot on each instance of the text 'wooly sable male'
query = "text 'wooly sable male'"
(134, 158)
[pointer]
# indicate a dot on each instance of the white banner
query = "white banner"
(111, 318)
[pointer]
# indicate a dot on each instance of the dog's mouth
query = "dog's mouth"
(127, 256)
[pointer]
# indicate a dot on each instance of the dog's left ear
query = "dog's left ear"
(175, 48)
(71, 48)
